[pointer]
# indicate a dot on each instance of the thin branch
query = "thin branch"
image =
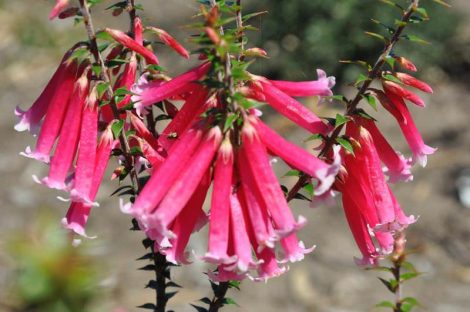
(352, 105)
(219, 297)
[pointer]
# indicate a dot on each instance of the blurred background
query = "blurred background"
(41, 271)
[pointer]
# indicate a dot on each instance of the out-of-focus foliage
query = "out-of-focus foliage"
(50, 273)
(306, 34)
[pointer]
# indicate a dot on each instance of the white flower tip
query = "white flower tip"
(58, 185)
(63, 199)
(82, 198)
(30, 154)
(125, 208)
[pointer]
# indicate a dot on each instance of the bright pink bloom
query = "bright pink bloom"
(30, 119)
(239, 233)
(185, 223)
(170, 41)
(322, 86)
(413, 82)
(297, 157)
(392, 87)
(55, 115)
(219, 225)
(194, 106)
(406, 63)
(165, 175)
(360, 231)
(398, 167)
(182, 189)
(58, 8)
(130, 43)
(138, 31)
(148, 93)
(78, 212)
(84, 171)
(145, 133)
(266, 182)
(69, 137)
(289, 107)
(409, 129)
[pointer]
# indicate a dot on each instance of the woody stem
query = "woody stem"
(352, 104)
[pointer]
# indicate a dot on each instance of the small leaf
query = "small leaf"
(117, 128)
(360, 79)
(199, 309)
(148, 267)
(309, 189)
(391, 284)
(292, 173)
(229, 121)
(371, 101)
(170, 295)
(96, 70)
(442, 3)
(409, 275)
(205, 300)
(340, 120)
(313, 137)
(173, 284)
(234, 284)
(415, 38)
(391, 78)
(102, 87)
(148, 306)
(229, 301)
(385, 304)
(345, 144)
(375, 35)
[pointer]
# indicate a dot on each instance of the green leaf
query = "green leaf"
(229, 301)
(375, 35)
(309, 189)
(409, 275)
(229, 121)
(391, 3)
(234, 284)
(345, 143)
(371, 101)
(385, 304)
(117, 127)
(101, 88)
(315, 136)
(340, 120)
(205, 300)
(415, 38)
(360, 79)
(443, 3)
(292, 173)
(390, 61)
(392, 78)
(390, 284)
(422, 12)
(96, 70)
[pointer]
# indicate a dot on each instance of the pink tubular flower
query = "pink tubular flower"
(408, 127)
(30, 119)
(220, 207)
(194, 106)
(79, 211)
(180, 192)
(148, 93)
(165, 175)
(297, 157)
(322, 86)
(170, 41)
(130, 43)
(369, 204)
(266, 182)
(392, 87)
(405, 63)
(55, 114)
(288, 106)
(58, 8)
(398, 167)
(83, 179)
(138, 30)
(69, 137)
(413, 82)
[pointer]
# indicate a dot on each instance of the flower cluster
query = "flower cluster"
(216, 141)
(371, 208)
